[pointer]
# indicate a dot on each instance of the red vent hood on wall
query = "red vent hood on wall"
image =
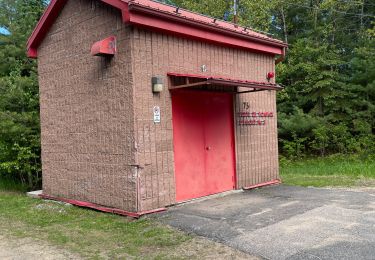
(104, 47)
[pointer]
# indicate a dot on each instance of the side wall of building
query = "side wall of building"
(87, 116)
(256, 138)
(157, 54)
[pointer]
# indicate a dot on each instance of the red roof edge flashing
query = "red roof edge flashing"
(45, 23)
(49, 17)
(121, 5)
(199, 31)
(137, 8)
(160, 18)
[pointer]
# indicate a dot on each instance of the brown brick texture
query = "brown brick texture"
(87, 116)
(99, 141)
(256, 145)
(157, 54)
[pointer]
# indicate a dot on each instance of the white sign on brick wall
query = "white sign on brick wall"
(156, 114)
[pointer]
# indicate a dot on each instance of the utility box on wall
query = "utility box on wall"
(110, 139)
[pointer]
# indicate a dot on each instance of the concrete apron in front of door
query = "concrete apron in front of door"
(284, 222)
(208, 197)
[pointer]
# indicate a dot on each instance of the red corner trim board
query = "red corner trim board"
(101, 208)
(274, 182)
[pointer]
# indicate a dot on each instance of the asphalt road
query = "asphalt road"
(283, 222)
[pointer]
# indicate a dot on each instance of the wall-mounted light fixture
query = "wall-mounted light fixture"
(157, 84)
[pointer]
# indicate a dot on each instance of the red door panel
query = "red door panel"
(203, 143)
(188, 147)
(219, 143)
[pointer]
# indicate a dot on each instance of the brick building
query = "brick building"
(144, 105)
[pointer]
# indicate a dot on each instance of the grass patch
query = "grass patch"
(97, 235)
(92, 234)
(7, 184)
(345, 171)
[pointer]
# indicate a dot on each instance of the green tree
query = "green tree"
(19, 100)
(328, 73)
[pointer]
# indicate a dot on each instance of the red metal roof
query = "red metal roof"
(200, 18)
(166, 18)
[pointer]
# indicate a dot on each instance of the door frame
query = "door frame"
(232, 129)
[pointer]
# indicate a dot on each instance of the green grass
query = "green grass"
(86, 232)
(97, 235)
(345, 171)
(7, 184)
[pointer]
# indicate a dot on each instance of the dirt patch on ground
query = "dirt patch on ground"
(200, 248)
(365, 183)
(31, 249)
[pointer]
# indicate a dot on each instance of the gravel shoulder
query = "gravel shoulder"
(14, 248)
(31, 249)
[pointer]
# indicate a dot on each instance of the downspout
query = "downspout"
(282, 56)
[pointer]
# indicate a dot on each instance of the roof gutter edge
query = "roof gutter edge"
(150, 11)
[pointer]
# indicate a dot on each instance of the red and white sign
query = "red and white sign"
(254, 118)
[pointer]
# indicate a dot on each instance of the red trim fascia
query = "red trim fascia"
(116, 3)
(49, 17)
(274, 182)
(43, 26)
(102, 208)
(122, 5)
(199, 31)
(134, 7)
(163, 21)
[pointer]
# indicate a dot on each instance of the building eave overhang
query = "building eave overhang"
(48, 18)
(184, 81)
(176, 24)
(166, 21)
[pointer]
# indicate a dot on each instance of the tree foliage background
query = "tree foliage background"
(327, 106)
(19, 100)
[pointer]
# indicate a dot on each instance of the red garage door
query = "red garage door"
(203, 143)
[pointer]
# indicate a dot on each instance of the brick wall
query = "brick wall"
(256, 145)
(87, 116)
(156, 54)
(99, 142)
